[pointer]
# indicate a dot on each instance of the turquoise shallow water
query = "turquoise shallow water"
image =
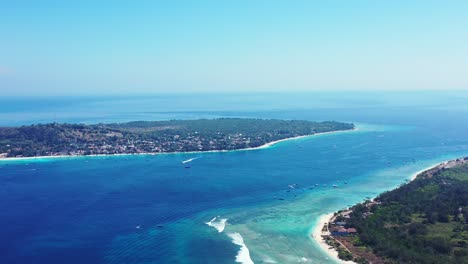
(150, 209)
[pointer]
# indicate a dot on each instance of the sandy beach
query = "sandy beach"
(267, 145)
(415, 175)
(264, 146)
(317, 236)
(317, 231)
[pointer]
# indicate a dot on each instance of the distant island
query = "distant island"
(154, 136)
(424, 221)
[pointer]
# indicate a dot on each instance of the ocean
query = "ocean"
(230, 207)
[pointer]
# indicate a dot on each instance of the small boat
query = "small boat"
(187, 166)
(334, 185)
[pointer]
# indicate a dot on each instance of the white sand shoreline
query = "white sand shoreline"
(326, 218)
(415, 175)
(264, 146)
(317, 236)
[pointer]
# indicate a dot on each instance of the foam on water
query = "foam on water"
(243, 256)
(218, 225)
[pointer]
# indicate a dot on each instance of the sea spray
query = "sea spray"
(243, 256)
(218, 225)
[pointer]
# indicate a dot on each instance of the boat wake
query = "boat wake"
(219, 224)
(189, 160)
(243, 256)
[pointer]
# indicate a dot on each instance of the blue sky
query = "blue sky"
(139, 47)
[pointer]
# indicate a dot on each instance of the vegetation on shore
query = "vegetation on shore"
(424, 221)
(153, 136)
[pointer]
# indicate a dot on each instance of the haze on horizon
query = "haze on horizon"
(83, 47)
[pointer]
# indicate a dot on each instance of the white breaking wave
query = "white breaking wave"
(243, 256)
(219, 225)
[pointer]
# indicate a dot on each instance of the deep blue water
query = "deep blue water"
(150, 209)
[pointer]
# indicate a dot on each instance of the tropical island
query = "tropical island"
(154, 136)
(423, 221)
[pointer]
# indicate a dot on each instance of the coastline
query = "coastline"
(326, 218)
(433, 166)
(317, 234)
(264, 146)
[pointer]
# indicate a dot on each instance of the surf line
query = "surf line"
(243, 255)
